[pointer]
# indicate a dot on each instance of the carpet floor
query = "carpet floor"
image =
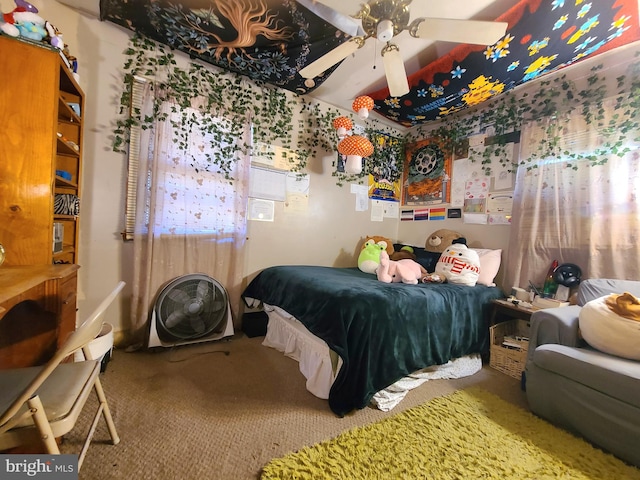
(470, 434)
(223, 410)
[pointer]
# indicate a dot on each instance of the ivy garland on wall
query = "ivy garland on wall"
(276, 113)
(277, 116)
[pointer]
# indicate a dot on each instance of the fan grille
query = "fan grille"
(190, 307)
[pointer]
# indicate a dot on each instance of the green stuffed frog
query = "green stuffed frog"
(369, 257)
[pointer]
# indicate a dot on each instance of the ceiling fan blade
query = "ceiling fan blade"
(395, 71)
(460, 31)
(334, 56)
(345, 23)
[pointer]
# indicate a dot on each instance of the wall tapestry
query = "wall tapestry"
(267, 40)
(543, 35)
(426, 176)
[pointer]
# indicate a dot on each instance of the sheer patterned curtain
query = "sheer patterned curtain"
(188, 219)
(580, 206)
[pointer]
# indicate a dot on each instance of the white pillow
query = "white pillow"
(609, 332)
(489, 265)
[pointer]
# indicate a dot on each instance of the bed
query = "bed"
(378, 333)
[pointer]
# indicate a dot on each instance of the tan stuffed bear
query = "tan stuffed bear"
(440, 240)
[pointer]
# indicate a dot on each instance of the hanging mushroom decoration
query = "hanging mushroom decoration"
(362, 106)
(355, 147)
(342, 125)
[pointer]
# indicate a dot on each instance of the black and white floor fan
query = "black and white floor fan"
(190, 309)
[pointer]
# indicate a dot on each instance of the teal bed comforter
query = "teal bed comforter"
(382, 331)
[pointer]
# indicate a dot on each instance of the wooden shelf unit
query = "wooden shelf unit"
(41, 134)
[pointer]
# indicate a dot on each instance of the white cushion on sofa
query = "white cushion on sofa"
(609, 332)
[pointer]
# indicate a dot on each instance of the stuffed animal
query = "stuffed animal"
(21, 23)
(384, 241)
(405, 271)
(30, 25)
(9, 20)
(404, 252)
(369, 258)
(440, 240)
(459, 264)
(54, 37)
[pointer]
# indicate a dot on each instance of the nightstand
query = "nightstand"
(504, 310)
(509, 322)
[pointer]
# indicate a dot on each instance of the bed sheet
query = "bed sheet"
(320, 365)
(381, 331)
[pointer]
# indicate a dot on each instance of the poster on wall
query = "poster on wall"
(427, 174)
(384, 167)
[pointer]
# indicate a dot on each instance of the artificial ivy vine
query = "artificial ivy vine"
(277, 116)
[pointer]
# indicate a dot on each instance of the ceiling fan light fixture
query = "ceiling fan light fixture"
(395, 71)
(384, 30)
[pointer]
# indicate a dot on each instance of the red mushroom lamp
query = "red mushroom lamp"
(355, 147)
(362, 106)
(342, 125)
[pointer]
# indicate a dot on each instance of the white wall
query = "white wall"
(328, 234)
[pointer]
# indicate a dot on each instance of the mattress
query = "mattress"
(320, 365)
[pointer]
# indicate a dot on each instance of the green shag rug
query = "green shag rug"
(468, 435)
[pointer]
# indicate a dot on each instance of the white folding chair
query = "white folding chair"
(43, 403)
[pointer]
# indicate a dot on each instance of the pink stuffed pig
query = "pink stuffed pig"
(405, 270)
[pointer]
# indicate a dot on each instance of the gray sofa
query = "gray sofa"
(572, 385)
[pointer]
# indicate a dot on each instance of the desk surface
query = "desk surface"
(37, 312)
(17, 279)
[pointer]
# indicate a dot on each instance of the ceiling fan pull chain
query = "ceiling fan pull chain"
(375, 58)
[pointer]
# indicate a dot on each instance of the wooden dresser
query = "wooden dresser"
(37, 312)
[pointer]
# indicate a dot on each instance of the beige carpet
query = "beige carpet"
(460, 436)
(191, 413)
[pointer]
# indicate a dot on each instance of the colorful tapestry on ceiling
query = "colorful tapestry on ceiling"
(267, 40)
(543, 35)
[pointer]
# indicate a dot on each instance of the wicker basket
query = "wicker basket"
(509, 360)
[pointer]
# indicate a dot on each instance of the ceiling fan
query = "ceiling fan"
(384, 19)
